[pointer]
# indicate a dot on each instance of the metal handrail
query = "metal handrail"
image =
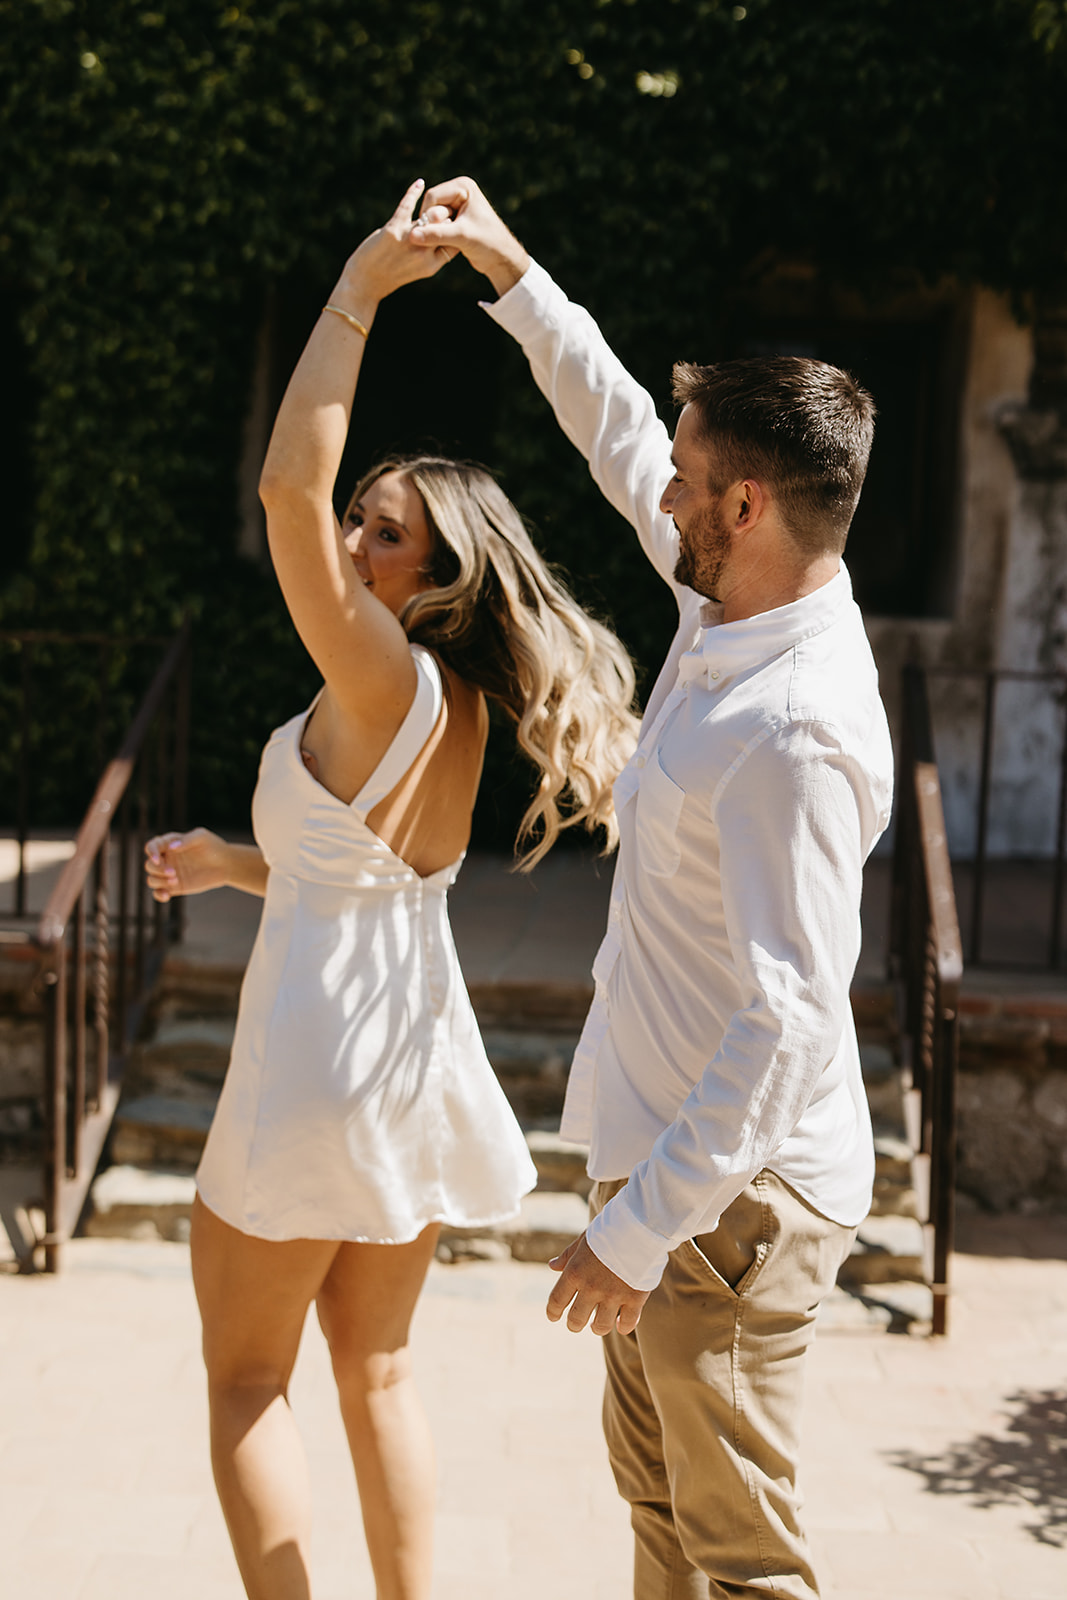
(109, 792)
(28, 640)
(74, 942)
(926, 961)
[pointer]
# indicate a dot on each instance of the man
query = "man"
(717, 1080)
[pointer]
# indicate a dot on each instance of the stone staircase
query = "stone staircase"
(176, 1076)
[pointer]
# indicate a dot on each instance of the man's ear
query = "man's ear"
(750, 502)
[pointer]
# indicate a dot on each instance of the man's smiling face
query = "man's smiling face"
(697, 511)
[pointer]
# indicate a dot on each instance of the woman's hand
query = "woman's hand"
(185, 863)
(457, 216)
(389, 257)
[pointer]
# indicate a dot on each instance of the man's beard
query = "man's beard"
(702, 552)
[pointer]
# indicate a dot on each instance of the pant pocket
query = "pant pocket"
(735, 1248)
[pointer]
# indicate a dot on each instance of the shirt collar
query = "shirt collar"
(724, 649)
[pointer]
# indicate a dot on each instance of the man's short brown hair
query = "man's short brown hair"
(801, 428)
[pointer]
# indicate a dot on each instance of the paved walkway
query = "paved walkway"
(935, 1470)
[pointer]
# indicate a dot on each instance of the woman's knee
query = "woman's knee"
(371, 1373)
(364, 1357)
(243, 1358)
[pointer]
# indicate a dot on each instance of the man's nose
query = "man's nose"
(666, 499)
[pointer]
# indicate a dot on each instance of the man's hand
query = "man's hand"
(473, 227)
(595, 1292)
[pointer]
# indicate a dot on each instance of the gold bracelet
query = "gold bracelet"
(338, 311)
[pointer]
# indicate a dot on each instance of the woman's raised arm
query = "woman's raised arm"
(355, 640)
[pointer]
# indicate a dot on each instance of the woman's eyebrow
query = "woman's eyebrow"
(357, 505)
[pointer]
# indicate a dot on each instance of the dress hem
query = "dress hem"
(444, 1219)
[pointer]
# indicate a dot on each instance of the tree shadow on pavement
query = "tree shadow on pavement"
(1025, 1462)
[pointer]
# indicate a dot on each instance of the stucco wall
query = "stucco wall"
(1003, 560)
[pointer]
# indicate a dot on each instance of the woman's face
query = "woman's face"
(388, 537)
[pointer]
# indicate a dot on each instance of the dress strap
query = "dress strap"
(411, 736)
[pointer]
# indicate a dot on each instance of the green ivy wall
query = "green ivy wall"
(165, 164)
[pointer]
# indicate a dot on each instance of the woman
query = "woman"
(359, 1110)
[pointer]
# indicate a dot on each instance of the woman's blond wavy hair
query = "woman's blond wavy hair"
(499, 618)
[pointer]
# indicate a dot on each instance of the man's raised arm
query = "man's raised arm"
(600, 408)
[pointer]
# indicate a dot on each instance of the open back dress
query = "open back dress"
(359, 1102)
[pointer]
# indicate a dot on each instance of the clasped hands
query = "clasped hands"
(455, 217)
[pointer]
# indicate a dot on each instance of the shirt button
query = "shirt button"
(639, 761)
(715, 675)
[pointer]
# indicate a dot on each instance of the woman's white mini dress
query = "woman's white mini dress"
(359, 1102)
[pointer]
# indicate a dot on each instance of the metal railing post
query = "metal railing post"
(943, 1169)
(101, 984)
(23, 803)
(928, 965)
(79, 1116)
(78, 1000)
(55, 1102)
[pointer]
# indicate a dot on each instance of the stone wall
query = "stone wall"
(21, 1104)
(1012, 1104)
(998, 366)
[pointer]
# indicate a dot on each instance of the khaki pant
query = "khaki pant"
(702, 1402)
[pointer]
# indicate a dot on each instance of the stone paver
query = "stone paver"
(934, 1470)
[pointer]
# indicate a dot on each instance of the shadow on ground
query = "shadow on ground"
(1026, 1462)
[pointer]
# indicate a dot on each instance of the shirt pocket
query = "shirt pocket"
(659, 809)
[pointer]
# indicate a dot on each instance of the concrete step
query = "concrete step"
(893, 1199)
(198, 1046)
(892, 1157)
(160, 1132)
(131, 1203)
(894, 1194)
(560, 1165)
(894, 1307)
(173, 1089)
(546, 1225)
(135, 1200)
(532, 1068)
(885, 1266)
(163, 1131)
(167, 1132)
(888, 1249)
(186, 1063)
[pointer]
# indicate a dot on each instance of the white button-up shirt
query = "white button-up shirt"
(720, 1040)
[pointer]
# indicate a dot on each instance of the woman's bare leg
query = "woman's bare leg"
(253, 1298)
(365, 1307)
